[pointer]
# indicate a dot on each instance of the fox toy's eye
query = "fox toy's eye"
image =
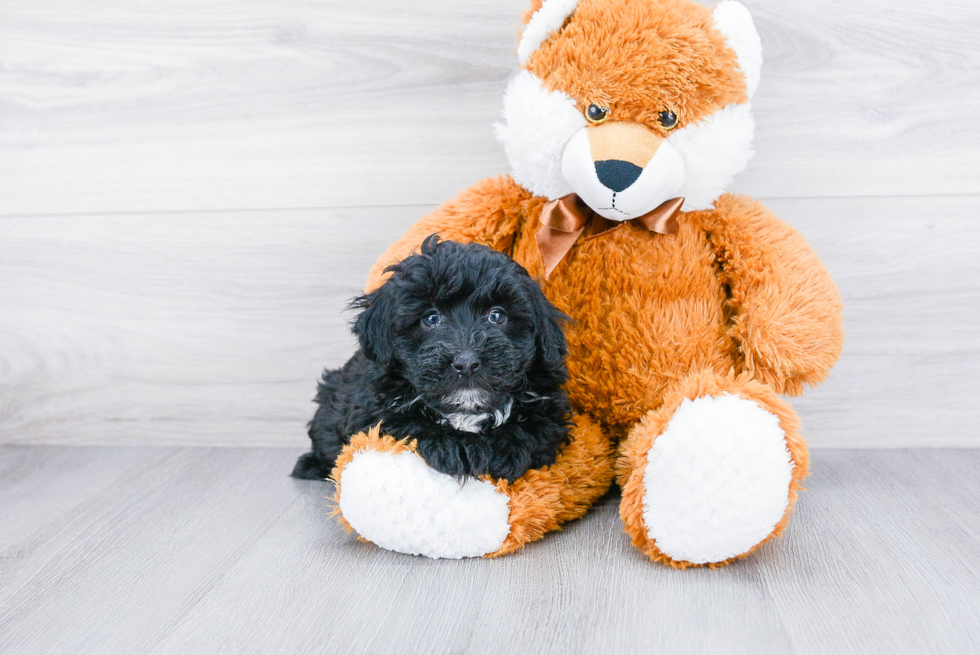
(431, 319)
(497, 316)
(596, 114)
(668, 119)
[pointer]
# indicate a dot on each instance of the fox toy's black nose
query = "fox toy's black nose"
(617, 174)
(466, 363)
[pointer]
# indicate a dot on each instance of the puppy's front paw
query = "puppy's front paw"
(391, 497)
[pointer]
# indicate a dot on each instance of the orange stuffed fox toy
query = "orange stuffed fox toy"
(692, 310)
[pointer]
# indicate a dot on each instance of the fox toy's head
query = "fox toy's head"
(630, 103)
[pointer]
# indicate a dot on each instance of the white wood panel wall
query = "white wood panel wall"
(190, 192)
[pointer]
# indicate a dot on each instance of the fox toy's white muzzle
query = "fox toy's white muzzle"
(621, 172)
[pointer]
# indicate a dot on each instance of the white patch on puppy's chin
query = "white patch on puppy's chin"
(473, 422)
(466, 399)
(466, 422)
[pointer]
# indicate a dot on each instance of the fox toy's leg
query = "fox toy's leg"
(713, 473)
(391, 497)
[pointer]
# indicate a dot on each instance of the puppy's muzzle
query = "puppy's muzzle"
(466, 363)
(467, 400)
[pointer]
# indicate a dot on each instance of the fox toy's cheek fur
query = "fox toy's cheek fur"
(536, 127)
(546, 136)
(714, 151)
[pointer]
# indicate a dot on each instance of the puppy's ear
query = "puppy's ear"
(430, 244)
(373, 326)
(549, 336)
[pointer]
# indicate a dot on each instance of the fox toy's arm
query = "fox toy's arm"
(489, 212)
(785, 309)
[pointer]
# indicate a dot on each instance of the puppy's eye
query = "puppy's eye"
(497, 316)
(668, 119)
(431, 319)
(596, 114)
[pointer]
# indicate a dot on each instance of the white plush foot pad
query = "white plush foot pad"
(717, 480)
(398, 502)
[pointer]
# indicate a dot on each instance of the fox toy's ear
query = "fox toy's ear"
(373, 326)
(735, 22)
(543, 22)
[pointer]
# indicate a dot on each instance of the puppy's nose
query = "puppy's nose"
(616, 174)
(466, 363)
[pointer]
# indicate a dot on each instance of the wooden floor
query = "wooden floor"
(195, 550)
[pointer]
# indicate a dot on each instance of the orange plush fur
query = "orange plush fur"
(734, 302)
(623, 55)
(780, 322)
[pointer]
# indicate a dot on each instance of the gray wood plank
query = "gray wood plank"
(143, 551)
(152, 106)
(190, 326)
(307, 586)
(881, 557)
(590, 591)
(860, 571)
(211, 328)
(875, 562)
(583, 590)
(43, 488)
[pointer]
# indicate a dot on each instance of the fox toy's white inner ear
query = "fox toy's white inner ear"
(735, 22)
(545, 21)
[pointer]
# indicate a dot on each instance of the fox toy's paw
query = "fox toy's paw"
(390, 496)
(713, 474)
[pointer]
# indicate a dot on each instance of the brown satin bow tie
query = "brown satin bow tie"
(563, 220)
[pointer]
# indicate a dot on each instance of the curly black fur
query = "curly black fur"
(433, 379)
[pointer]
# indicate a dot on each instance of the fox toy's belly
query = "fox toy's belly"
(646, 309)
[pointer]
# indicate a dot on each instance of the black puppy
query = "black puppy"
(461, 351)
